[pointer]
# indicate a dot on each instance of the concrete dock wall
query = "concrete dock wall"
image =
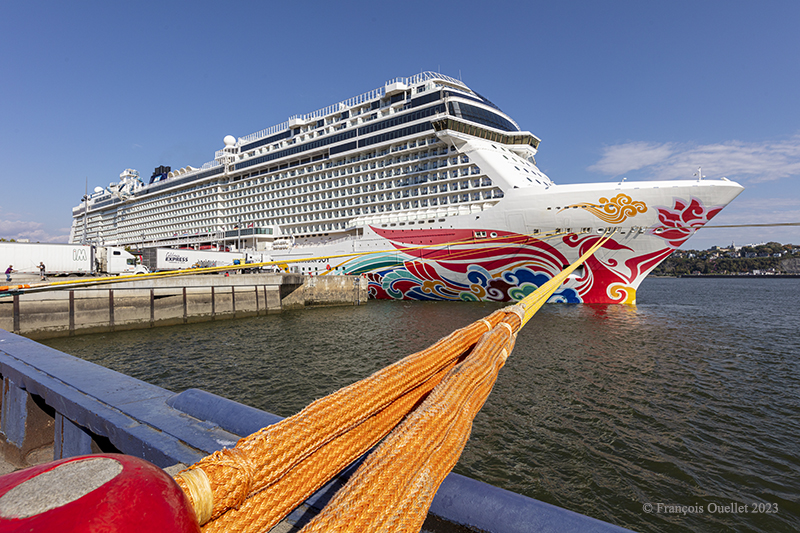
(157, 302)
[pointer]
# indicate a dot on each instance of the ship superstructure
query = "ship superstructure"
(423, 166)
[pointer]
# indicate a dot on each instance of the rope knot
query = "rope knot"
(240, 461)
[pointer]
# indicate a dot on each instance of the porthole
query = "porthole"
(493, 235)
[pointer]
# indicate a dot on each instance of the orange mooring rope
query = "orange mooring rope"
(254, 485)
(266, 508)
(393, 489)
(262, 458)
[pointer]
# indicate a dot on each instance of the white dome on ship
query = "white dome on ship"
(229, 140)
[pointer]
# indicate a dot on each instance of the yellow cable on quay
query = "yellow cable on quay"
(38, 287)
(420, 409)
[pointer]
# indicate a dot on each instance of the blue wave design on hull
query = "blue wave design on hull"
(512, 285)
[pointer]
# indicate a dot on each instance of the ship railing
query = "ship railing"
(332, 241)
(265, 132)
(210, 164)
(350, 102)
(425, 76)
(324, 112)
(186, 240)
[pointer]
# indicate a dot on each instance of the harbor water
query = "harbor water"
(681, 413)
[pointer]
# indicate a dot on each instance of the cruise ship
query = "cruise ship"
(422, 185)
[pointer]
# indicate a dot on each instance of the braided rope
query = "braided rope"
(268, 454)
(253, 486)
(420, 452)
(266, 508)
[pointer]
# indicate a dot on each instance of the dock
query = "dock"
(41, 313)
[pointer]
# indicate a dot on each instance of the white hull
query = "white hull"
(532, 243)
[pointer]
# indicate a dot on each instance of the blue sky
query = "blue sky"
(635, 89)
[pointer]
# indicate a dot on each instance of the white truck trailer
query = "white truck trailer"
(65, 259)
(159, 259)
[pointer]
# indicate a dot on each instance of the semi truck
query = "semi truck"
(66, 259)
(261, 257)
(114, 260)
(160, 259)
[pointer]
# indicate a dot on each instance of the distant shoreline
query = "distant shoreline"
(737, 276)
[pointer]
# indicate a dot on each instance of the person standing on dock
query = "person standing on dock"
(9, 270)
(42, 268)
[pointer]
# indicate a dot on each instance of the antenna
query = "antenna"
(699, 174)
(85, 209)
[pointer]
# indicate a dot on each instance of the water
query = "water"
(691, 399)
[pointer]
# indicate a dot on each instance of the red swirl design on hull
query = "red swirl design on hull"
(452, 264)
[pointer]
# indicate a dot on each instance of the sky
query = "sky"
(633, 89)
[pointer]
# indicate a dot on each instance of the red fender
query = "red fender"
(110, 493)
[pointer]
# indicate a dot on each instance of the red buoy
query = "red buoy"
(105, 492)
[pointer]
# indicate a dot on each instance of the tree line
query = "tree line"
(770, 257)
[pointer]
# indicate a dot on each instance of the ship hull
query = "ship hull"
(507, 251)
(423, 186)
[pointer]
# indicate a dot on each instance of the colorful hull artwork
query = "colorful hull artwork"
(493, 265)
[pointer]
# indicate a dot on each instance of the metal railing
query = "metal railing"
(350, 102)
